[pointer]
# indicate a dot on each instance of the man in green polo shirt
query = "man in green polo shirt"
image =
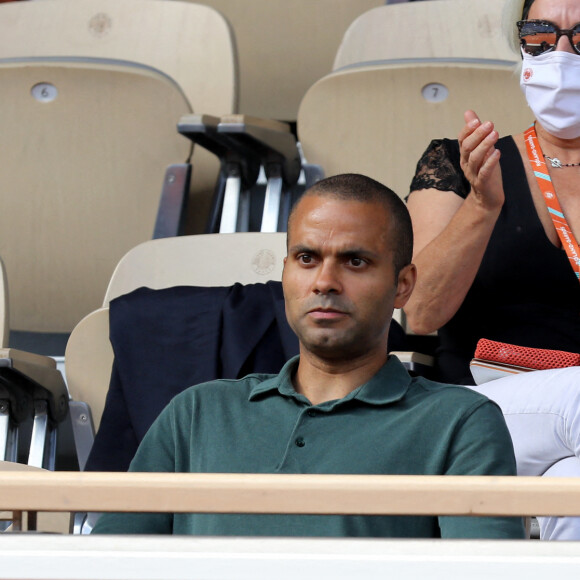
(343, 406)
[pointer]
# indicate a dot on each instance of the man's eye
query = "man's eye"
(305, 258)
(357, 262)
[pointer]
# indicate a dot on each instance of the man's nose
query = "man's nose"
(328, 279)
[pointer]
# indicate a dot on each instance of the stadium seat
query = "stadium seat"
(199, 260)
(172, 37)
(85, 146)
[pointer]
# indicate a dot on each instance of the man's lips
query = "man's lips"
(326, 313)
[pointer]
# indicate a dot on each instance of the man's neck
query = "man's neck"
(321, 380)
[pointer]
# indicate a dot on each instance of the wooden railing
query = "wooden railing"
(307, 494)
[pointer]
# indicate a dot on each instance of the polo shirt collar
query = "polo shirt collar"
(388, 385)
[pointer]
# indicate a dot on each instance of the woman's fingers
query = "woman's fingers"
(482, 147)
(471, 123)
(476, 148)
(471, 118)
(489, 165)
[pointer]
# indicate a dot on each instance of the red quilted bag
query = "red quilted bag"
(523, 356)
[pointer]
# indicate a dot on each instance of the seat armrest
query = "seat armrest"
(234, 158)
(272, 141)
(37, 374)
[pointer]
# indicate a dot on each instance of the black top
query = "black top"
(525, 291)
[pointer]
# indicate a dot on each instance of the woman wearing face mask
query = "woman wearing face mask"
(497, 227)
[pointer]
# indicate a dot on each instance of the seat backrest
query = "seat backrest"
(84, 148)
(418, 30)
(192, 44)
(89, 362)
(284, 46)
(201, 260)
(378, 116)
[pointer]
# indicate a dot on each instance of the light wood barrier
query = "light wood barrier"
(273, 493)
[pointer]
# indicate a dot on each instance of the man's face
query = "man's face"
(339, 281)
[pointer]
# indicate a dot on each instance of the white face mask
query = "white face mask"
(551, 84)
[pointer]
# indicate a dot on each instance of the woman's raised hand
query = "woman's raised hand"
(480, 161)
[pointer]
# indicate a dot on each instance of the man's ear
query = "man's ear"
(406, 283)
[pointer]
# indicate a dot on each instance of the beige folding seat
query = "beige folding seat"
(473, 33)
(193, 45)
(199, 260)
(403, 75)
(284, 46)
(92, 91)
(84, 148)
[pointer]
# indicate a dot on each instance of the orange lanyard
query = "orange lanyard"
(540, 170)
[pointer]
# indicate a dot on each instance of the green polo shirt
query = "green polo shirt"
(394, 424)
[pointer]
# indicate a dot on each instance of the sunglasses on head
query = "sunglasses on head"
(540, 36)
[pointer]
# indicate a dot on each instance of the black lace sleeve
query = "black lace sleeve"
(439, 168)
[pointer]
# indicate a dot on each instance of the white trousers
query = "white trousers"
(542, 412)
